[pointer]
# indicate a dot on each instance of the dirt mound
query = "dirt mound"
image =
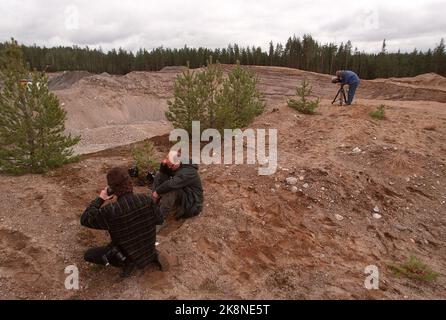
(100, 105)
(66, 79)
(256, 237)
(427, 80)
(177, 69)
(108, 111)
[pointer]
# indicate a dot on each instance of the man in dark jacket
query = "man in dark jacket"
(130, 220)
(350, 78)
(177, 188)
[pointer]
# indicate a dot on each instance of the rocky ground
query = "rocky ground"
(349, 192)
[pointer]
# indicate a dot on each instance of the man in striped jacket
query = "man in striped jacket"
(131, 221)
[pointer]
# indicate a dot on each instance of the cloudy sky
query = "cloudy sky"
(173, 23)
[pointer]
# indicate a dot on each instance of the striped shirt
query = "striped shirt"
(131, 222)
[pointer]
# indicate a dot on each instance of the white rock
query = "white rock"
(294, 189)
(376, 209)
(339, 217)
(377, 216)
(301, 178)
(306, 185)
(291, 181)
(356, 150)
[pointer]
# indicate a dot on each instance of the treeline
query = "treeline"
(303, 53)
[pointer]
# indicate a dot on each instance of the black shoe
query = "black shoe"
(127, 270)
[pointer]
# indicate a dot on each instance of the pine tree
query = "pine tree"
(32, 123)
(238, 101)
(304, 105)
(194, 98)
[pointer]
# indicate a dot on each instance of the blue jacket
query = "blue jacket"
(349, 77)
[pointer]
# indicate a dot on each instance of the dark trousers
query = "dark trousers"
(96, 255)
(169, 204)
(351, 92)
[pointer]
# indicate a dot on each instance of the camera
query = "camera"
(335, 80)
(150, 176)
(133, 172)
(110, 191)
(113, 253)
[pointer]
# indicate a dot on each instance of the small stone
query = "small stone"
(306, 185)
(356, 150)
(301, 178)
(376, 209)
(339, 217)
(291, 181)
(323, 189)
(377, 216)
(294, 189)
(407, 179)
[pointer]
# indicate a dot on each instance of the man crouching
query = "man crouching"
(177, 188)
(131, 222)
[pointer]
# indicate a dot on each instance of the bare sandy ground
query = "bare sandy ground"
(255, 238)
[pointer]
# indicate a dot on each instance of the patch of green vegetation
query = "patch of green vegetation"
(414, 268)
(379, 113)
(304, 105)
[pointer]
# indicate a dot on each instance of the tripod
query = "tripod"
(342, 96)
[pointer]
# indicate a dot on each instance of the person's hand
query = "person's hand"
(104, 195)
(155, 195)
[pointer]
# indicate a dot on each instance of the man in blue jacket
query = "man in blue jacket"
(350, 78)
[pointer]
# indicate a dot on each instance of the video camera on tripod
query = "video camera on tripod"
(341, 92)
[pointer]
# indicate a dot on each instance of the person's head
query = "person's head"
(338, 73)
(173, 160)
(119, 180)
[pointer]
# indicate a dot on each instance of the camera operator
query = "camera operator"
(131, 221)
(348, 77)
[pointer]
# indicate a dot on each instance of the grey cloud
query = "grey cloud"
(150, 24)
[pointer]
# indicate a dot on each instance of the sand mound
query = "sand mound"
(104, 103)
(99, 107)
(66, 79)
(427, 81)
(256, 239)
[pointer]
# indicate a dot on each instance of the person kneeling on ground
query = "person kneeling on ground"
(350, 78)
(177, 188)
(131, 222)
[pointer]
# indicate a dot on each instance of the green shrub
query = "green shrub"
(379, 113)
(414, 268)
(215, 101)
(144, 157)
(304, 105)
(194, 97)
(238, 101)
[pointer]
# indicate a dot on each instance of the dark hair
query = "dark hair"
(119, 180)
